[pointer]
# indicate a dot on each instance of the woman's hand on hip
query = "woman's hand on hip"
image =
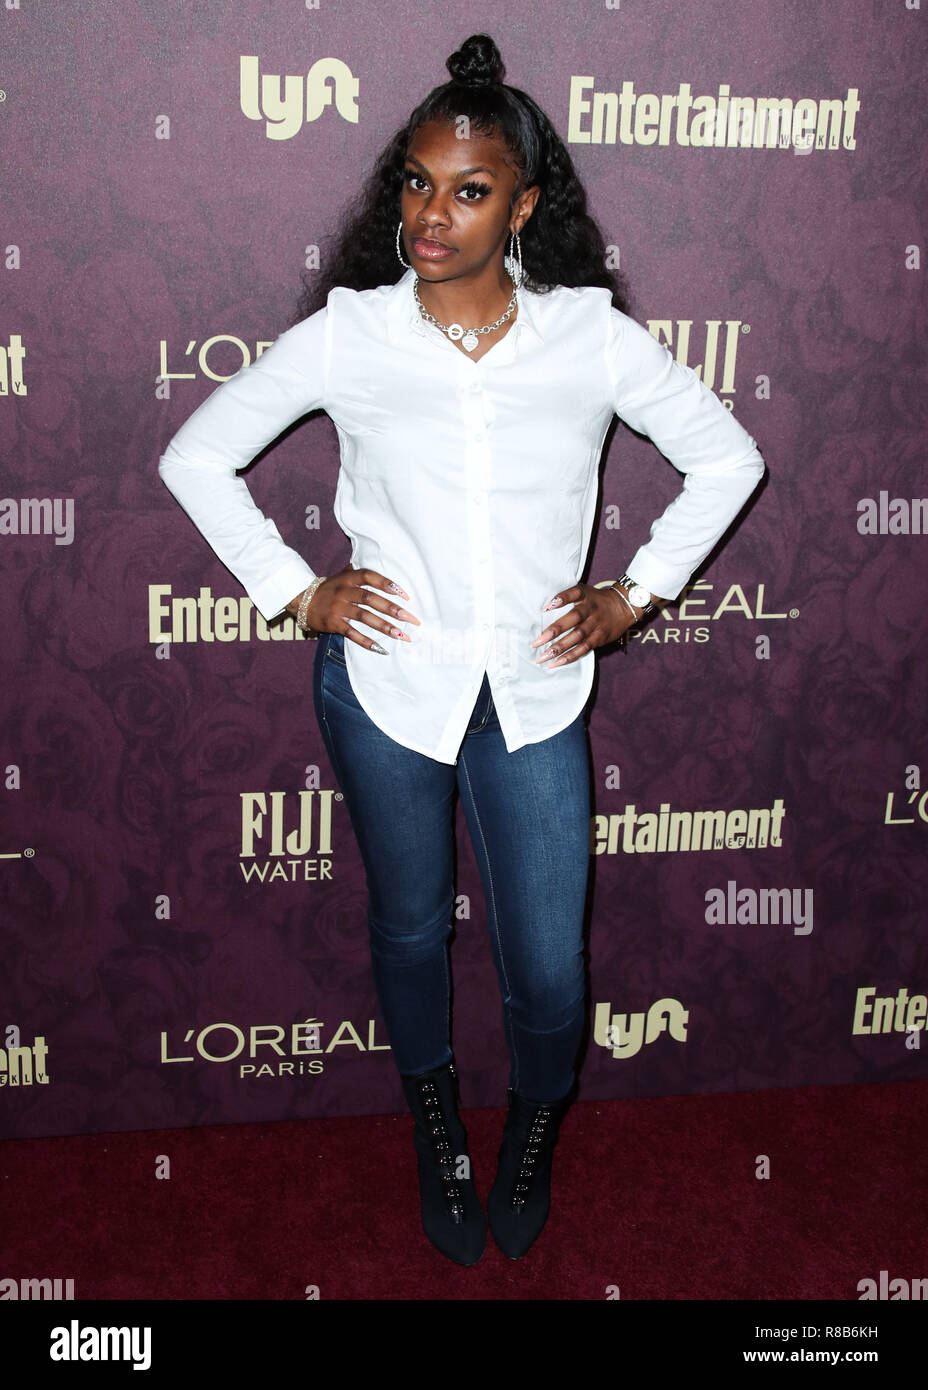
(598, 617)
(336, 604)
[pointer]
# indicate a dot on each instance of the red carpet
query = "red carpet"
(658, 1197)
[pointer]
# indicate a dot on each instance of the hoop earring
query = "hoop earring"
(403, 263)
(513, 260)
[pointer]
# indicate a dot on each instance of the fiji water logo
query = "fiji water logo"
(674, 334)
(285, 104)
(288, 835)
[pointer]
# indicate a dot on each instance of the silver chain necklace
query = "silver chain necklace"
(468, 337)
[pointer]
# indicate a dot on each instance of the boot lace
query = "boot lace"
(441, 1147)
(528, 1159)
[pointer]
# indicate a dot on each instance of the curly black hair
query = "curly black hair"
(561, 242)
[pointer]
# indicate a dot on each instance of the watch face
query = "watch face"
(639, 596)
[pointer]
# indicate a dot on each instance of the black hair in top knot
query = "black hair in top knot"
(477, 63)
(561, 241)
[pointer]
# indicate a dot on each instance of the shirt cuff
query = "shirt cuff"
(272, 595)
(659, 579)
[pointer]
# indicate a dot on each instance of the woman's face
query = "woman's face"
(457, 193)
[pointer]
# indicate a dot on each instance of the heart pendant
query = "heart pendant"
(470, 340)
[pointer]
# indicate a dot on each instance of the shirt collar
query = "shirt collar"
(403, 312)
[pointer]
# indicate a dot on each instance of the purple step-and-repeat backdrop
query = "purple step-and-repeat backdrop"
(183, 904)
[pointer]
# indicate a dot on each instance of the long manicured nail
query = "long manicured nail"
(555, 603)
(395, 589)
(376, 648)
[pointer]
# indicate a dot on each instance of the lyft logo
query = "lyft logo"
(282, 103)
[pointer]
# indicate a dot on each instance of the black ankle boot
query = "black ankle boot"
(452, 1216)
(521, 1195)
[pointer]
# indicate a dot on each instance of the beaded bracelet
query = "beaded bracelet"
(303, 609)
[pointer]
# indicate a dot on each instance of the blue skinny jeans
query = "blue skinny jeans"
(528, 816)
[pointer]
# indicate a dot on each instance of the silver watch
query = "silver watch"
(638, 595)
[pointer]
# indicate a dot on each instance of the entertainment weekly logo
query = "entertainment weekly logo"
(890, 1013)
(23, 1065)
(719, 121)
(204, 618)
(668, 831)
(12, 379)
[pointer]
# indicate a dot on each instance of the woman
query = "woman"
(471, 395)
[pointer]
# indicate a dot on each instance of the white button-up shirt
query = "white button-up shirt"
(471, 484)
